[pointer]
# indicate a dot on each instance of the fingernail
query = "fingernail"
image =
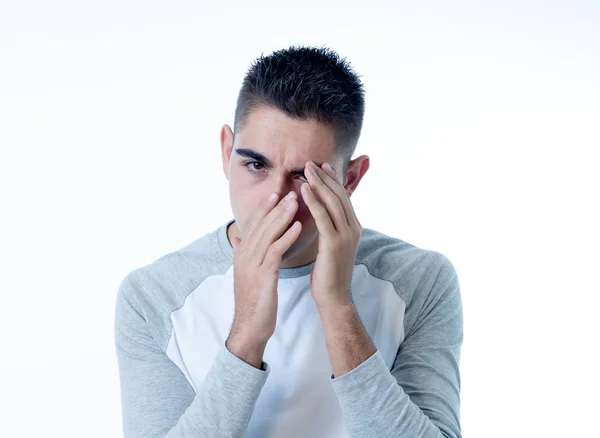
(289, 196)
(272, 196)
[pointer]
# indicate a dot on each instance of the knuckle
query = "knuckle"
(287, 209)
(272, 259)
(321, 212)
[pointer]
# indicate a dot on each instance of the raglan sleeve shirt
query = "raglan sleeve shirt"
(156, 398)
(420, 396)
(417, 398)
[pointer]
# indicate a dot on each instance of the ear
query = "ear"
(356, 170)
(226, 148)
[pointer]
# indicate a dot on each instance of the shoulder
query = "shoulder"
(425, 280)
(411, 269)
(158, 288)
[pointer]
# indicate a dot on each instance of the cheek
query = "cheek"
(245, 198)
(241, 197)
(243, 202)
(303, 215)
(302, 207)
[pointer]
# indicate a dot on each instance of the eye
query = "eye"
(251, 166)
(258, 167)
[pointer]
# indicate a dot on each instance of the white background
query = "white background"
(482, 124)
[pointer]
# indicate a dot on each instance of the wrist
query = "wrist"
(337, 309)
(250, 351)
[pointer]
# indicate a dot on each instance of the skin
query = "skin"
(298, 158)
(288, 144)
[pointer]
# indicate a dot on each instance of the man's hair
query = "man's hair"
(306, 83)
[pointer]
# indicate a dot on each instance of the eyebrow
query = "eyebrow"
(249, 153)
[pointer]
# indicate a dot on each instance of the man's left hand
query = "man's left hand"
(339, 235)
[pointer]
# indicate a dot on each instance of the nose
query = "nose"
(283, 186)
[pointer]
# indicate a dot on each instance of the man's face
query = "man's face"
(268, 156)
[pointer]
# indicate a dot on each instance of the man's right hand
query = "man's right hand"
(256, 262)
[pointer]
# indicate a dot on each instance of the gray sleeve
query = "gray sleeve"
(156, 398)
(420, 396)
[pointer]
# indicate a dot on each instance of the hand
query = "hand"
(339, 235)
(256, 261)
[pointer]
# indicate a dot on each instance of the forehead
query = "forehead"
(286, 141)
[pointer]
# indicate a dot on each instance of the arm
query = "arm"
(420, 396)
(348, 343)
(156, 398)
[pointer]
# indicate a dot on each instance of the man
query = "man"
(291, 320)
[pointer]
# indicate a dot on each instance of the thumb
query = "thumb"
(235, 242)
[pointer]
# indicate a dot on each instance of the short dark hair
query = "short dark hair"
(306, 83)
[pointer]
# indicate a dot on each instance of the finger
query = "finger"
(341, 192)
(255, 226)
(265, 207)
(331, 200)
(274, 225)
(322, 218)
(278, 249)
